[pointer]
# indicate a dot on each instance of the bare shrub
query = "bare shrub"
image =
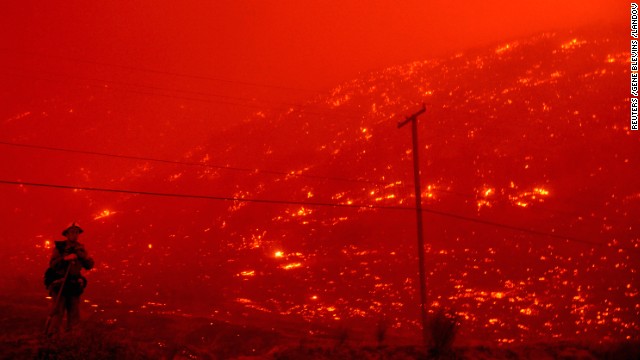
(443, 327)
(342, 335)
(381, 330)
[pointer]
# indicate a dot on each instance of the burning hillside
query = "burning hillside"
(304, 216)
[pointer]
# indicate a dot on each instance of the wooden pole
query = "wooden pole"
(418, 194)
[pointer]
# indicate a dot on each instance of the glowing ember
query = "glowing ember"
(291, 266)
(541, 191)
(483, 203)
(572, 44)
(105, 213)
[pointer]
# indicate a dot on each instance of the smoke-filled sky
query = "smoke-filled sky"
(304, 44)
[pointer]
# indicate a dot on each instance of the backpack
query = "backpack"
(50, 275)
(74, 286)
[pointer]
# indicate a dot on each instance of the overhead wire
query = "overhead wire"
(244, 101)
(305, 203)
(162, 72)
(189, 163)
(465, 195)
(148, 93)
(262, 171)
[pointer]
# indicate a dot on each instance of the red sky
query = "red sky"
(308, 44)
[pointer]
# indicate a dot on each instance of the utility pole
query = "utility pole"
(413, 119)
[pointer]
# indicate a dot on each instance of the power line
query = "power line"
(208, 197)
(134, 91)
(301, 108)
(263, 171)
(134, 68)
(305, 203)
(246, 102)
(464, 195)
(163, 72)
(222, 167)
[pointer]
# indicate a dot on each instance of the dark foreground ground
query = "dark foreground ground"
(138, 336)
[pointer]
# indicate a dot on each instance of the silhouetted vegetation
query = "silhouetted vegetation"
(342, 335)
(381, 330)
(147, 336)
(443, 327)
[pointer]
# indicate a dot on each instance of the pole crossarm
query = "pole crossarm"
(412, 117)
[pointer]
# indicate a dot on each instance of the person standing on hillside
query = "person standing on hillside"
(68, 260)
